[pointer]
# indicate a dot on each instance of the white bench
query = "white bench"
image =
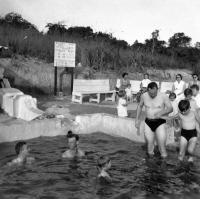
(95, 88)
(135, 86)
(166, 86)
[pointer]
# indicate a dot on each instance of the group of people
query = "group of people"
(180, 106)
(24, 156)
(125, 93)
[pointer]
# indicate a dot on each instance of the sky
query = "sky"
(129, 20)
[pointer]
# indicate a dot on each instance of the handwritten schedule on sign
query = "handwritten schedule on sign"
(64, 54)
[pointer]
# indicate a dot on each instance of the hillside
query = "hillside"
(29, 54)
(37, 76)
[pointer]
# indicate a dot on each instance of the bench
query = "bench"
(166, 86)
(91, 88)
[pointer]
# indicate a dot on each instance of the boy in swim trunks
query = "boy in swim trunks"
(73, 150)
(23, 156)
(188, 137)
(103, 165)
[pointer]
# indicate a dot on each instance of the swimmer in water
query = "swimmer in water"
(23, 156)
(103, 165)
(73, 151)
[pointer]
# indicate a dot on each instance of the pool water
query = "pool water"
(133, 176)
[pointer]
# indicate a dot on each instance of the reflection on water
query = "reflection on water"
(133, 176)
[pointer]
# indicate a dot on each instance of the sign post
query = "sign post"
(64, 56)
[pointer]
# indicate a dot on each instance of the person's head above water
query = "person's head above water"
(72, 140)
(152, 89)
(188, 93)
(21, 148)
(104, 163)
(184, 106)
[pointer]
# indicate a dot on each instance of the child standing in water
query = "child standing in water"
(23, 156)
(122, 104)
(73, 151)
(103, 165)
(188, 139)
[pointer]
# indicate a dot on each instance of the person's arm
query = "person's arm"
(197, 115)
(141, 85)
(184, 87)
(167, 108)
(139, 110)
(173, 88)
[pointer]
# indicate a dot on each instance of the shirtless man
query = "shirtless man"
(74, 150)
(157, 107)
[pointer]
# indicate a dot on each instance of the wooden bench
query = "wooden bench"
(135, 86)
(166, 86)
(91, 88)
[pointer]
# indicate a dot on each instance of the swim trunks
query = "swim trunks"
(188, 134)
(154, 123)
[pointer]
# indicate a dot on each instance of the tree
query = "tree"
(56, 28)
(84, 32)
(179, 40)
(197, 45)
(17, 21)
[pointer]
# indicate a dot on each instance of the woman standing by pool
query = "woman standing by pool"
(179, 86)
(195, 80)
(124, 82)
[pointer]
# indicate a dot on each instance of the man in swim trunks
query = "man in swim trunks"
(157, 107)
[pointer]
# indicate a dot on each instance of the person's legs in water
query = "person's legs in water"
(161, 138)
(191, 147)
(150, 138)
(182, 149)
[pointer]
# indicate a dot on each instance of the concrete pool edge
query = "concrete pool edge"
(115, 126)
(83, 124)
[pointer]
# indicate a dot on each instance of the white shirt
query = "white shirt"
(178, 87)
(121, 108)
(128, 92)
(145, 82)
(197, 99)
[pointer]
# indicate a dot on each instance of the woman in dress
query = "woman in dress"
(178, 87)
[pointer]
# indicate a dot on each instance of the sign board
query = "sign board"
(64, 54)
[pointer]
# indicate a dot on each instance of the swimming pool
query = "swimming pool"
(133, 176)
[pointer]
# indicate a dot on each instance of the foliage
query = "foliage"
(97, 50)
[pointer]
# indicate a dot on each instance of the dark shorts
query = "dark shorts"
(188, 134)
(154, 123)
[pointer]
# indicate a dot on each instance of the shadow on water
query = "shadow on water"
(133, 175)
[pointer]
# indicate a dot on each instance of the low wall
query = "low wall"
(13, 130)
(22, 130)
(115, 126)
